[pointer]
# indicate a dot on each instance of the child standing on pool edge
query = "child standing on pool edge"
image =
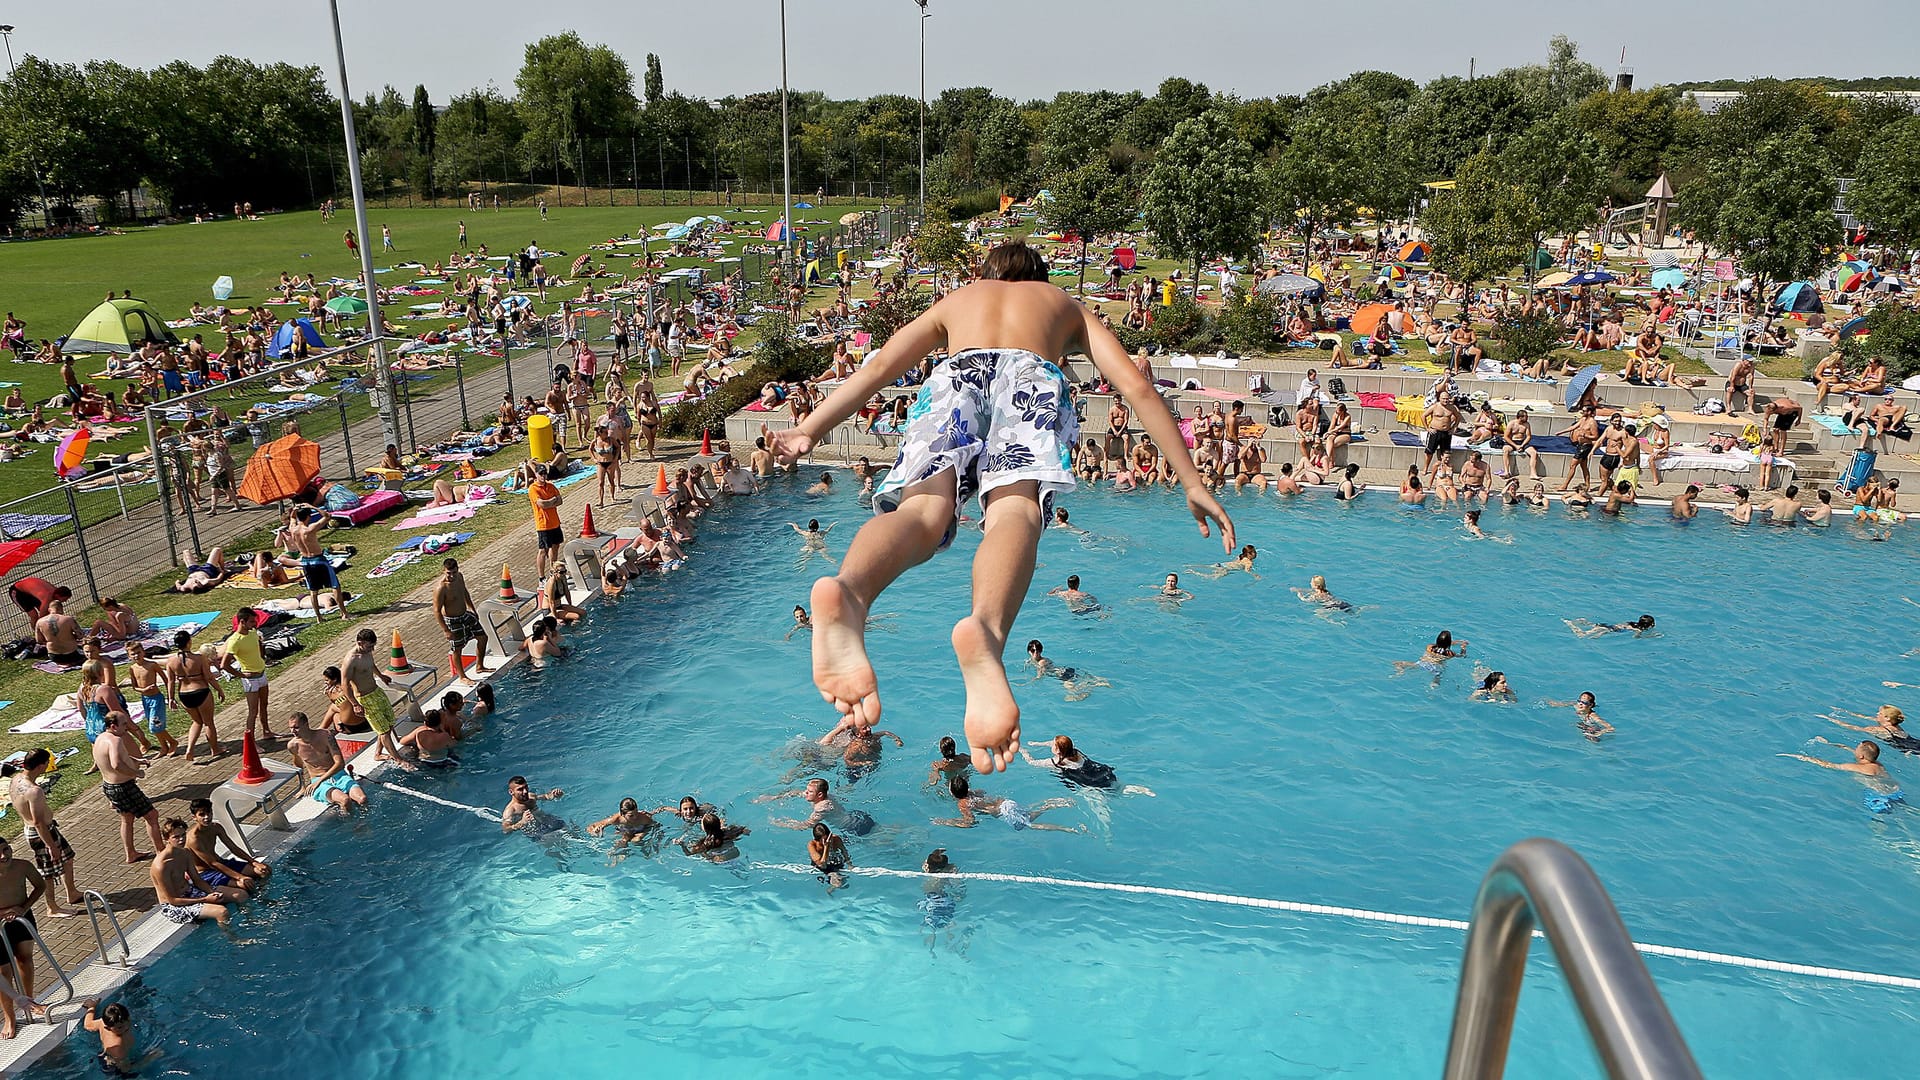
(994, 418)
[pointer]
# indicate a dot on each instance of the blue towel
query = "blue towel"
(1833, 424)
(173, 622)
(458, 538)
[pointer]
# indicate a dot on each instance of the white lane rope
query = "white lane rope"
(1362, 915)
(1357, 914)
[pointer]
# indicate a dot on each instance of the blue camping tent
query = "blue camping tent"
(1798, 296)
(283, 337)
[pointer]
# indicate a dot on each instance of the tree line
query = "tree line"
(1538, 146)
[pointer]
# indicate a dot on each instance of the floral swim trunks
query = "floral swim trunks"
(995, 417)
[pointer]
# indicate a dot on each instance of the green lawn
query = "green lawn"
(53, 283)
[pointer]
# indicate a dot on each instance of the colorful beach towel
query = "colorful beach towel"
(394, 562)
(58, 717)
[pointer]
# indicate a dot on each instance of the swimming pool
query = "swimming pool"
(1287, 763)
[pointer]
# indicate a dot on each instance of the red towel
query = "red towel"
(1376, 401)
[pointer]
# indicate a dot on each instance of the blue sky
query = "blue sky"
(1022, 48)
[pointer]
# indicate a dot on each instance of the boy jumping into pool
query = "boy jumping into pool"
(994, 418)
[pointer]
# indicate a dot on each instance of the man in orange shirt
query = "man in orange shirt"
(546, 520)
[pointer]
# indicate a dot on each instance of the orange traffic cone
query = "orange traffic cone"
(252, 770)
(506, 584)
(587, 531)
(660, 489)
(706, 444)
(397, 657)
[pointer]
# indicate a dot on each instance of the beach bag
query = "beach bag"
(280, 644)
(340, 497)
(1858, 470)
(1337, 387)
(1713, 406)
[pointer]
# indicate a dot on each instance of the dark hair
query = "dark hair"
(198, 805)
(957, 785)
(485, 693)
(1644, 622)
(947, 747)
(820, 830)
(1444, 639)
(331, 674)
(512, 780)
(450, 564)
(181, 640)
(116, 1015)
(1034, 645)
(1492, 677)
(36, 757)
(433, 718)
(366, 636)
(1792, 490)
(452, 701)
(1073, 581)
(1014, 261)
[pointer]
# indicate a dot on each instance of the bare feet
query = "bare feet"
(840, 666)
(993, 719)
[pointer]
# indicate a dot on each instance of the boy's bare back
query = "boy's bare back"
(1031, 315)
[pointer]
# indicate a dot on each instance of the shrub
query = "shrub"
(970, 205)
(1525, 337)
(882, 318)
(778, 357)
(1893, 335)
(1182, 326)
(1249, 322)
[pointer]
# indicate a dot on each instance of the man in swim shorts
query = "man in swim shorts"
(826, 809)
(995, 418)
(322, 767)
(1583, 435)
(972, 804)
(358, 667)
(303, 535)
(453, 606)
(217, 870)
(52, 855)
(20, 886)
(183, 898)
(121, 767)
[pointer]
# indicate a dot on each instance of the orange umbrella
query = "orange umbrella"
(280, 470)
(1368, 317)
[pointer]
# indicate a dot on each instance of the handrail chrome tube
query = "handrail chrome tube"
(1544, 881)
(91, 896)
(13, 965)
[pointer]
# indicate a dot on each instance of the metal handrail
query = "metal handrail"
(13, 965)
(126, 950)
(1544, 881)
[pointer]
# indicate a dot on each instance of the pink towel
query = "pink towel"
(1376, 401)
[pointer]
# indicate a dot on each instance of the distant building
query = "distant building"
(1709, 101)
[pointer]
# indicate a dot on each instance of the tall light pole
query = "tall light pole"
(924, 16)
(383, 375)
(786, 156)
(6, 32)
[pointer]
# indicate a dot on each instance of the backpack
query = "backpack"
(1337, 387)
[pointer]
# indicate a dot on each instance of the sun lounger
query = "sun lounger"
(371, 506)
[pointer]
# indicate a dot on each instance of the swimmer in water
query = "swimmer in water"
(1587, 628)
(1316, 593)
(859, 745)
(813, 541)
(629, 823)
(971, 805)
(1493, 687)
(523, 811)
(1865, 763)
(1471, 522)
(690, 810)
(1168, 594)
(1435, 657)
(1077, 770)
(828, 854)
(823, 486)
(1887, 727)
(1078, 684)
(801, 621)
(1078, 602)
(939, 899)
(1585, 718)
(716, 840)
(950, 763)
(1243, 561)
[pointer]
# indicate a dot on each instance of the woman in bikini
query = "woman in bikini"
(193, 683)
(646, 412)
(828, 853)
(1314, 463)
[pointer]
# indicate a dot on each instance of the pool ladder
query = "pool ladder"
(1542, 881)
(97, 904)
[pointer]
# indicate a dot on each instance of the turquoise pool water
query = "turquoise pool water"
(1287, 761)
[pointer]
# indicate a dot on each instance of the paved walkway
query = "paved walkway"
(93, 828)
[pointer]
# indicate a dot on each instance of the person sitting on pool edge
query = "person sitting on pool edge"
(994, 418)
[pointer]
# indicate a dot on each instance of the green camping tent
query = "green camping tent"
(1543, 259)
(118, 326)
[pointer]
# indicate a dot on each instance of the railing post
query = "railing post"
(186, 501)
(346, 434)
(80, 540)
(460, 382)
(156, 454)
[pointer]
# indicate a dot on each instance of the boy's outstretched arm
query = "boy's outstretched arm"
(1110, 357)
(908, 346)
